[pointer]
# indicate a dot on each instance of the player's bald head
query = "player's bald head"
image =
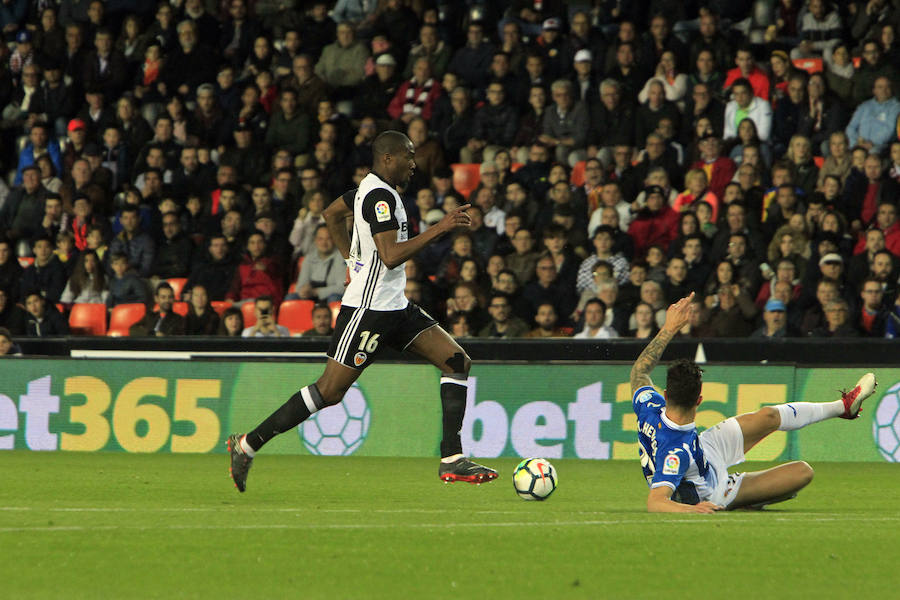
(390, 142)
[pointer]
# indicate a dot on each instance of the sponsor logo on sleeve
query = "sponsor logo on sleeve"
(644, 396)
(382, 211)
(671, 464)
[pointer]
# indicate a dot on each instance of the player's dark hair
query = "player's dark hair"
(684, 379)
(390, 142)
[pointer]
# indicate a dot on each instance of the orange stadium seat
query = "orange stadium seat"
(515, 167)
(577, 177)
(466, 177)
(247, 309)
(177, 284)
(335, 309)
(88, 319)
(810, 65)
(220, 306)
(819, 160)
(124, 316)
(296, 315)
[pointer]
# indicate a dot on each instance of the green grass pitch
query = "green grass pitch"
(173, 526)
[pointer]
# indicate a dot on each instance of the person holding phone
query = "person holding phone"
(265, 325)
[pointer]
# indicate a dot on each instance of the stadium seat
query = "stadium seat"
(249, 312)
(515, 167)
(335, 309)
(88, 319)
(577, 177)
(26, 261)
(179, 308)
(220, 306)
(292, 288)
(466, 177)
(296, 315)
(810, 65)
(124, 316)
(819, 160)
(177, 284)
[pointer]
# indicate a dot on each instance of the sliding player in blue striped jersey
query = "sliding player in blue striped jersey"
(687, 471)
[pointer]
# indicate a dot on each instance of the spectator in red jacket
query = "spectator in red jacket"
(258, 274)
(655, 224)
(719, 169)
(415, 97)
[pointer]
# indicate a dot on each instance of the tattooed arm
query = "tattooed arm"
(677, 316)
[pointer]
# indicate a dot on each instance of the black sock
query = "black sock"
(453, 403)
(292, 413)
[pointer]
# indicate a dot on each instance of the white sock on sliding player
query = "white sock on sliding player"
(795, 415)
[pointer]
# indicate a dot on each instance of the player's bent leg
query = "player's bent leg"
(777, 484)
(329, 389)
(441, 350)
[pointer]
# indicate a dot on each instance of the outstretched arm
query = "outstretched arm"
(394, 253)
(677, 316)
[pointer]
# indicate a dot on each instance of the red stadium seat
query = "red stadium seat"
(819, 160)
(26, 261)
(466, 177)
(335, 309)
(179, 308)
(810, 65)
(177, 284)
(88, 319)
(515, 167)
(220, 306)
(577, 177)
(249, 312)
(296, 315)
(124, 316)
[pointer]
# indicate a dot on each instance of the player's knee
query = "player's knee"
(771, 417)
(459, 363)
(331, 394)
(805, 472)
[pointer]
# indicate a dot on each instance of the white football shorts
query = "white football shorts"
(723, 446)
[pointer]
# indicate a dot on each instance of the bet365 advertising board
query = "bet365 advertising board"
(548, 410)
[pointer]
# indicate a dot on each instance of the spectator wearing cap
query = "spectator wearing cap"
(378, 89)
(744, 104)
(39, 143)
(432, 48)
(583, 77)
(473, 60)
(24, 55)
(565, 124)
(550, 43)
(775, 323)
(56, 98)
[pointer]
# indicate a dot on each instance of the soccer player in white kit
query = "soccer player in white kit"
(375, 312)
(687, 471)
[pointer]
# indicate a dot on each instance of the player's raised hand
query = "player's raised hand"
(679, 313)
(456, 218)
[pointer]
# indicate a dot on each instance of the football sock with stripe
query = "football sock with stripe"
(796, 415)
(293, 412)
(453, 403)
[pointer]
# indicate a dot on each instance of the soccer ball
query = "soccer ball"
(338, 430)
(886, 426)
(535, 479)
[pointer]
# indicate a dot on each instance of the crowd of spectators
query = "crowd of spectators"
(628, 153)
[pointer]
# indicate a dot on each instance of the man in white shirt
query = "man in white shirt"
(594, 315)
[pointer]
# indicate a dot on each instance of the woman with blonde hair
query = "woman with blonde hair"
(697, 191)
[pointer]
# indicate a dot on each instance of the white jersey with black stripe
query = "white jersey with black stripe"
(376, 207)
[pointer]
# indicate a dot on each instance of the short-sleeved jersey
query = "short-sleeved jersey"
(670, 453)
(376, 207)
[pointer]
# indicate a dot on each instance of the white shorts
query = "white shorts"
(723, 446)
